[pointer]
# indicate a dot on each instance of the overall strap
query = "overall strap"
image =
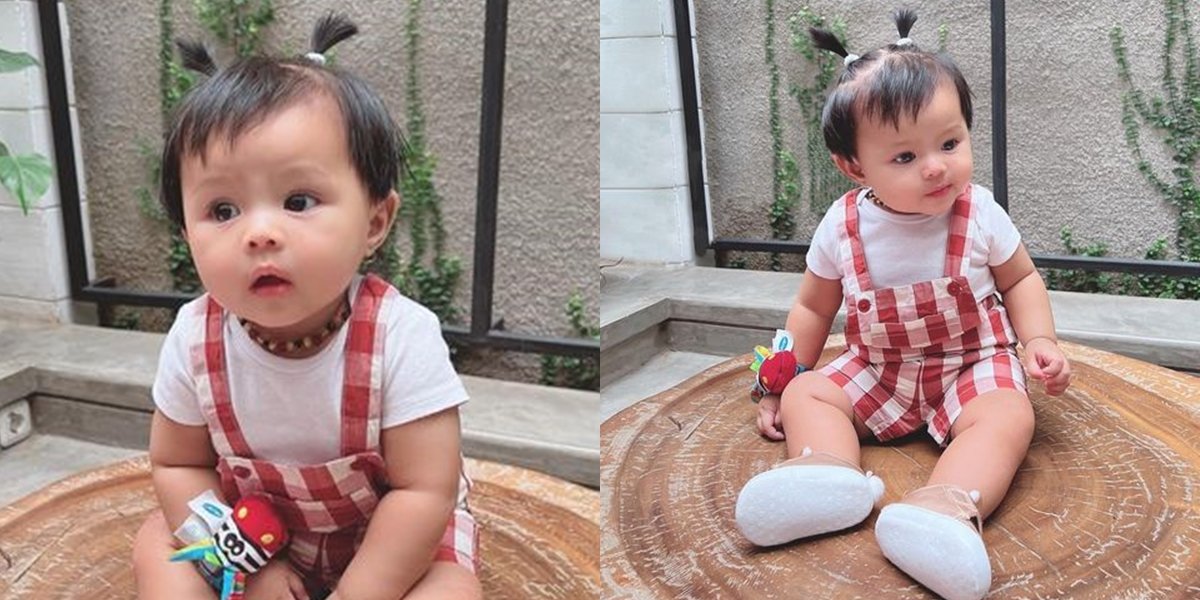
(850, 227)
(226, 431)
(362, 383)
(958, 243)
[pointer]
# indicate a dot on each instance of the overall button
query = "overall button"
(864, 305)
(953, 289)
(241, 471)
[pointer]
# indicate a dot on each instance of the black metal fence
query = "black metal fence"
(704, 241)
(480, 333)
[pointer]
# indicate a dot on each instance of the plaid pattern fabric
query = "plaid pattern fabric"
(327, 506)
(917, 354)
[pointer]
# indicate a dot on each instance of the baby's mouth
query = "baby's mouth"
(270, 285)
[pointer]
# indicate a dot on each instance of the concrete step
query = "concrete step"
(661, 372)
(93, 384)
(42, 459)
(648, 308)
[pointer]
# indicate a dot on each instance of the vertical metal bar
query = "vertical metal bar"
(691, 124)
(487, 188)
(999, 106)
(53, 66)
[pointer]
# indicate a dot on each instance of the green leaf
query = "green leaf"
(15, 61)
(26, 176)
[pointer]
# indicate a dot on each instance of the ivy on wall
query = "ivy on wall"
(429, 276)
(1173, 118)
(570, 371)
(821, 183)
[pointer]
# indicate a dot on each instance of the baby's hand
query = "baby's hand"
(1045, 362)
(769, 422)
(276, 581)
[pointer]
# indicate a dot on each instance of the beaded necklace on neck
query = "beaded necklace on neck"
(874, 198)
(302, 343)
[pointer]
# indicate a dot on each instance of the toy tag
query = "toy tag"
(782, 341)
(207, 515)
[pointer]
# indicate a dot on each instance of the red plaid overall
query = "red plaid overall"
(325, 506)
(917, 354)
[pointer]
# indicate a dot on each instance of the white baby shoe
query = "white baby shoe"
(934, 535)
(807, 495)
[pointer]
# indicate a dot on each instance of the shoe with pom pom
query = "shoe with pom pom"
(811, 494)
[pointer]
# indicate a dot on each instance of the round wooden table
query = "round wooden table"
(1106, 504)
(538, 535)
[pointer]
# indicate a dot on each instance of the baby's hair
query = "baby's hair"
(884, 84)
(241, 96)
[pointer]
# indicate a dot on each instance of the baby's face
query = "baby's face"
(279, 222)
(925, 164)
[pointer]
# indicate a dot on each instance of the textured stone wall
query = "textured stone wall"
(547, 231)
(1067, 160)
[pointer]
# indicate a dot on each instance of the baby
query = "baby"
(294, 377)
(938, 291)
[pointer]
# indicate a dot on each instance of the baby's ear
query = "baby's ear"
(381, 216)
(849, 167)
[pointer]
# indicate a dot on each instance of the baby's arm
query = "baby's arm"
(812, 315)
(423, 464)
(1028, 306)
(808, 321)
(183, 464)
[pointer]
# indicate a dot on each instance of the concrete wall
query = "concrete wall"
(645, 208)
(547, 226)
(1068, 163)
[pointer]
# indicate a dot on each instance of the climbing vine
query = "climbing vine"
(570, 371)
(1174, 118)
(430, 279)
(825, 183)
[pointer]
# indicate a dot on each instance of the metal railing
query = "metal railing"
(702, 236)
(481, 332)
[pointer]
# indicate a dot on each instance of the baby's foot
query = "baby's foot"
(805, 496)
(934, 535)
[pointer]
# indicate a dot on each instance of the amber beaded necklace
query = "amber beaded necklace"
(303, 343)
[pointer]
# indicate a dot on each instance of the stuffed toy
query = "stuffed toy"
(774, 368)
(244, 539)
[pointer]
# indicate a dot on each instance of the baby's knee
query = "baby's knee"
(152, 540)
(1022, 419)
(811, 386)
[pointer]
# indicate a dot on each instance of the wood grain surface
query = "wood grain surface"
(539, 535)
(1104, 506)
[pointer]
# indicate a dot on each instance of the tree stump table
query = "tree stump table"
(1105, 505)
(538, 535)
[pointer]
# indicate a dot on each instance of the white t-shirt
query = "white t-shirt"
(906, 249)
(290, 409)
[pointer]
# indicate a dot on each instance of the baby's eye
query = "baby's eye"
(904, 158)
(224, 211)
(950, 145)
(299, 202)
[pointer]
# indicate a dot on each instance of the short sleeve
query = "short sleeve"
(419, 379)
(822, 257)
(174, 390)
(998, 229)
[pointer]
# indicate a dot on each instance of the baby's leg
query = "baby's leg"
(988, 442)
(820, 488)
(928, 534)
(446, 580)
(817, 414)
(157, 577)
